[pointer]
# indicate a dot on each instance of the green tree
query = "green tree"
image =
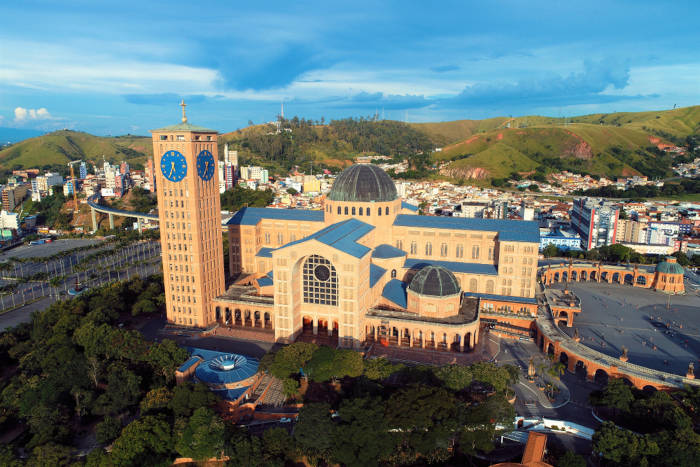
(379, 368)
(189, 396)
(550, 250)
(362, 437)
(616, 395)
(571, 459)
(327, 363)
(623, 447)
(203, 437)
(123, 391)
(50, 455)
(108, 429)
(278, 446)
(146, 441)
(454, 377)
(165, 357)
(156, 399)
(290, 359)
(313, 432)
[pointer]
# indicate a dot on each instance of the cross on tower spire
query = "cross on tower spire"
(183, 105)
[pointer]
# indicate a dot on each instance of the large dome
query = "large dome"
(363, 182)
(669, 266)
(436, 281)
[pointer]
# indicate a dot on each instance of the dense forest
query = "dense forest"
(341, 140)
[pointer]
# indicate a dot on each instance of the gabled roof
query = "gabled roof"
(342, 236)
(387, 251)
(251, 216)
(375, 273)
(508, 230)
(395, 292)
(454, 266)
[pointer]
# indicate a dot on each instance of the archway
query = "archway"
(268, 321)
(247, 320)
(584, 276)
(257, 323)
(648, 389)
(565, 276)
(456, 342)
(580, 369)
(468, 342)
(601, 377)
(641, 280)
(322, 326)
(218, 313)
(616, 277)
(335, 330)
(574, 276)
(227, 316)
(556, 277)
(238, 317)
(629, 279)
(594, 276)
(604, 276)
(541, 343)
(550, 349)
(627, 381)
(563, 358)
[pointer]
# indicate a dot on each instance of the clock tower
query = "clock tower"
(189, 214)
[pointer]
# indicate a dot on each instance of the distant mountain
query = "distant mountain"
(14, 135)
(57, 148)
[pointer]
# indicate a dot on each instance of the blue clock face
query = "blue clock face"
(174, 166)
(205, 165)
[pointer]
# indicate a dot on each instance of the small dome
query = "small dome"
(669, 266)
(363, 182)
(436, 281)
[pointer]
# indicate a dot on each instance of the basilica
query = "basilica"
(367, 267)
(364, 268)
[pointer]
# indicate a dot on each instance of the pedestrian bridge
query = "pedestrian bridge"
(111, 212)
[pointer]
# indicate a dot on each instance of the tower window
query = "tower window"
(386, 211)
(353, 210)
(163, 137)
(360, 210)
(346, 210)
(379, 211)
(181, 137)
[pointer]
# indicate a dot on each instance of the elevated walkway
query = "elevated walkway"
(111, 212)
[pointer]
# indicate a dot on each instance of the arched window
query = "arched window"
(320, 281)
(475, 252)
(393, 273)
(472, 285)
(367, 212)
(353, 210)
(360, 210)
(443, 249)
(428, 249)
(339, 211)
(386, 211)
(459, 251)
(414, 248)
(346, 210)
(379, 211)
(489, 286)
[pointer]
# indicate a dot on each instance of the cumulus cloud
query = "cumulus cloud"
(23, 115)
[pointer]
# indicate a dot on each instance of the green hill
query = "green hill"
(579, 147)
(56, 149)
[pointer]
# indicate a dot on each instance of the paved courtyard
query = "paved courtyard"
(657, 337)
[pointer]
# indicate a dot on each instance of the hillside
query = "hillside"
(596, 149)
(56, 149)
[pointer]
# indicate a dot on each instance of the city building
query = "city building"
(150, 176)
(595, 221)
(9, 220)
(562, 239)
(13, 196)
(82, 170)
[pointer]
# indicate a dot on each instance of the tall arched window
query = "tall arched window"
(346, 210)
(475, 252)
(443, 249)
(428, 249)
(360, 210)
(489, 286)
(320, 281)
(379, 211)
(353, 210)
(386, 211)
(339, 211)
(393, 273)
(459, 251)
(414, 248)
(472, 285)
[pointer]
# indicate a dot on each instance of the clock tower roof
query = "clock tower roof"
(186, 127)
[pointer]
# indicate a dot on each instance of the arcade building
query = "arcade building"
(364, 268)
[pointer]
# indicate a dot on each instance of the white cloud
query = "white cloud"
(23, 115)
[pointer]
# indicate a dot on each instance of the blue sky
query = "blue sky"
(121, 67)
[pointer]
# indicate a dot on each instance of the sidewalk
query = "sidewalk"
(562, 397)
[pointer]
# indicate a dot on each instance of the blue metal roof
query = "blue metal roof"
(209, 372)
(264, 281)
(264, 252)
(508, 230)
(454, 266)
(405, 205)
(251, 216)
(387, 251)
(375, 273)
(503, 298)
(342, 236)
(395, 292)
(188, 364)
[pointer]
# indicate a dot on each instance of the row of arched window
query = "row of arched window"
(354, 211)
(444, 250)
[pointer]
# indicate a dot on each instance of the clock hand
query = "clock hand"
(206, 167)
(172, 169)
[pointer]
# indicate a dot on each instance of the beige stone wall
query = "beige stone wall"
(433, 307)
(190, 220)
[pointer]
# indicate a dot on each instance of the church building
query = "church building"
(364, 268)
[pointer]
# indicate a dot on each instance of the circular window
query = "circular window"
(322, 272)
